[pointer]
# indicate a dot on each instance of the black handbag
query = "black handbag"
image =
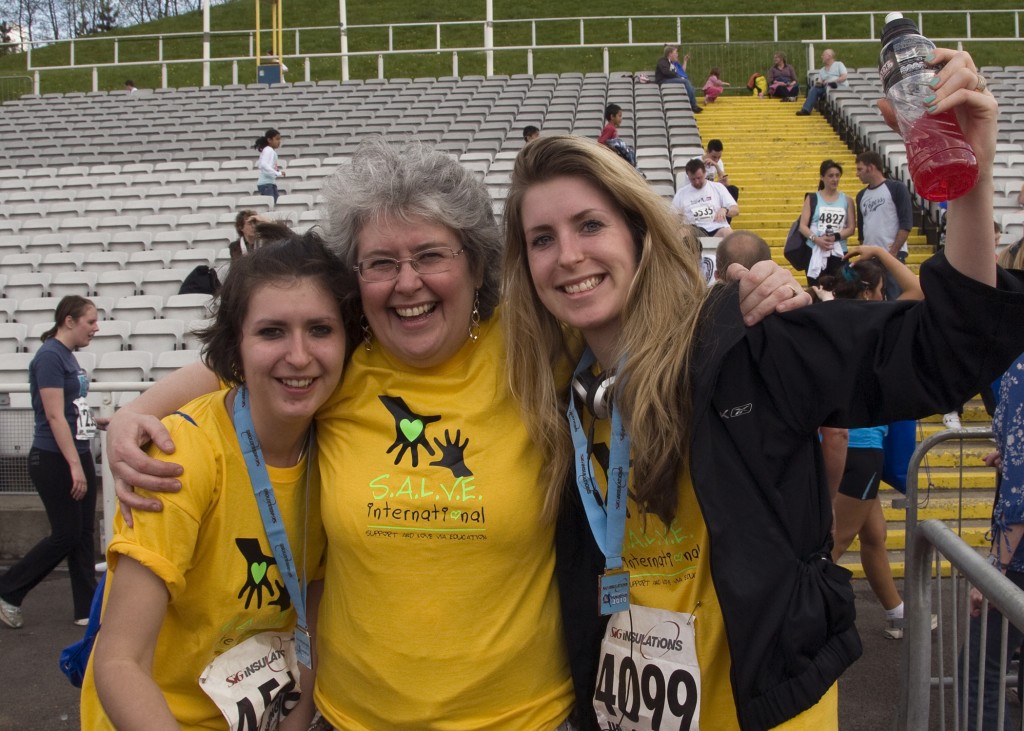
(796, 250)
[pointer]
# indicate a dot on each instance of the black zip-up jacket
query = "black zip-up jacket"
(759, 395)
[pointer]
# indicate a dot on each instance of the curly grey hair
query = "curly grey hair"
(407, 182)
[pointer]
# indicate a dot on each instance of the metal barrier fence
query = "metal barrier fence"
(605, 34)
(15, 461)
(13, 87)
(944, 675)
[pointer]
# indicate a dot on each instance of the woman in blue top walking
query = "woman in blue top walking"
(858, 511)
(60, 464)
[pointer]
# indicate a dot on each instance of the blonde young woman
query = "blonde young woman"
(708, 543)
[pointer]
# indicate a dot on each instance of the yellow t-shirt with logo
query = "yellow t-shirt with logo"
(669, 569)
(210, 548)
(440, 608)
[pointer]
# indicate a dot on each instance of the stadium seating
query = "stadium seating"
(117, 218)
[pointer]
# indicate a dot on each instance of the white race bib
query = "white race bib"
(256, 683)
(85, 425)
(648, 678)
(702, 213)
(834, 216)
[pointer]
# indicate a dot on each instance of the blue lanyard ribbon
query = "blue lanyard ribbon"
(607, 521)
(273, 523)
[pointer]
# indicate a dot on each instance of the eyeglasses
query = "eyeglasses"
(428, 261)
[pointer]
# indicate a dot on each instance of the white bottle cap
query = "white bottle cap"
(893, 16)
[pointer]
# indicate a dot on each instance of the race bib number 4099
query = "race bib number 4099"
(648, 678)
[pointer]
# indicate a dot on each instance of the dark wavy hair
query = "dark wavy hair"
(263, 141)
(854, 279)
(282, 255)
(827, 165)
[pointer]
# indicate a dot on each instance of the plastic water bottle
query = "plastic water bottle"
(941, 162)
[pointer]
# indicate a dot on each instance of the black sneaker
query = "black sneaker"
(803, 113)
(697, 110)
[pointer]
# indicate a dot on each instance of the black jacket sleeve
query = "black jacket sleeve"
(853, 363)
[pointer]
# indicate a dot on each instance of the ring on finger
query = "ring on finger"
(982, 83)
(795, 290)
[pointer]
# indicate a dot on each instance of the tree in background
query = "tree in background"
(5, 38)
(97, 17)
(46, 20)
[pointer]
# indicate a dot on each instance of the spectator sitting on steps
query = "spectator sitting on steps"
(670, 71)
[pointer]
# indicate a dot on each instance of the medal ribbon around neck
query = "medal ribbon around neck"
(273, 523)
(607, 521)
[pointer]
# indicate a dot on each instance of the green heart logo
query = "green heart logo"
(456, 514)
(411, 429)
(258, 571)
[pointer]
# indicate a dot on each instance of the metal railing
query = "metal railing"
(106, 409)
(524, 35)
(932, 548)
(934, 538)
(12, 87)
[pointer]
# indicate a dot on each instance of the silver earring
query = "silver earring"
(474, 318)
(367, 333)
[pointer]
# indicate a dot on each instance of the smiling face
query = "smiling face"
(292, 350)
(81, 330)
(422, 319)
(582, 257)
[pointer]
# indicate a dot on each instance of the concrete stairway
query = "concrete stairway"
(774, 157)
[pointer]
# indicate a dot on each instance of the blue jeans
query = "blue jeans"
(892, 289)
(268, 189)
(814, 93)
(689, 89)
(993, 642)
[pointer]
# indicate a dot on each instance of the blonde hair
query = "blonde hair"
(1012, 257)
(659, 322)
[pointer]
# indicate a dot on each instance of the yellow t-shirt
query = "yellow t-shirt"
(210, 547)
(440, 608)
(669, 569)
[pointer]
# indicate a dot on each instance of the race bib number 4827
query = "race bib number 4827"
(648, 678)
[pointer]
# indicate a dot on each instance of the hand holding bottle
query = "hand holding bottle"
(962, 91)
(957, 92)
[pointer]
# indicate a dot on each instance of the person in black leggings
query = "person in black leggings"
(60, 464)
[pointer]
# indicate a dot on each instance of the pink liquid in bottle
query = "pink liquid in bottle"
(941, 162)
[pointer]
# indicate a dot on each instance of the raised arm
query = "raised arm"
(905, 278)
(961, 89)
